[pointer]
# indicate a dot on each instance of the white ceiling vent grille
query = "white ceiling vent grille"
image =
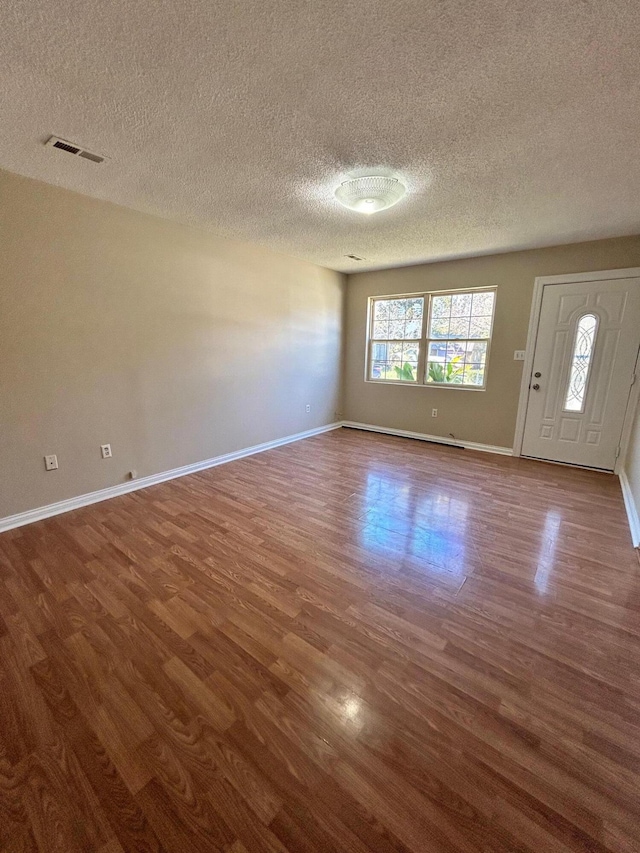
(72, 148)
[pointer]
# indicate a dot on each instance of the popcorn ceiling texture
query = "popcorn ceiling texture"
(515, 123)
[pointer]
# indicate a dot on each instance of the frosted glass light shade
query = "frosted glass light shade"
(370, 194)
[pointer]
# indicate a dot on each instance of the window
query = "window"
(395, 340)
(431, 339)
(580, 363)
(458, 337)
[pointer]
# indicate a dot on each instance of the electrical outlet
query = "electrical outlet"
(105, 451)
(307, 408)
(519, 354)
(51, 462)
(434, 413)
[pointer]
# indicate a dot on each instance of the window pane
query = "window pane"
(480, 327)
(439, 327)
(456, 362)
(415, 308)
(398, 319)
(475, 351)
(445, 362)
(461, 315)
(380, 352)
(455, 350)
(378, 368)
(396, 309)
(405, 309)
(449, 373)
(441, 306)
(413, 328)
(459, 327)
(381, 330)
(474, 374)
(461, 304)
(396, 330)
(483, 304)
(405, 372)
(582, 355)
(437, 351)
(381, 309)
(474, 362)
(395, 352)
(410, 352)
(440, 317)
(395, 362)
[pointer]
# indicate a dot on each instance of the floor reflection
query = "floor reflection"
(548, 545)
(351, 706)
(402, 520)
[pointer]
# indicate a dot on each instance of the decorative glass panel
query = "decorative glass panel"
(580, 363)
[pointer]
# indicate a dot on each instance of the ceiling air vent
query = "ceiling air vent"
(354, 258)
(76, 150)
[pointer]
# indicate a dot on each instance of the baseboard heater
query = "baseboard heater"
(400, 434)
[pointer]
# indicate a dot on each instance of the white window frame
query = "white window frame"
(423, 342)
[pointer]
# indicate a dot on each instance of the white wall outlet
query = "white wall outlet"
(434, 413)
(307, 408)
(105, 451)
(51, 462)
(519, 354)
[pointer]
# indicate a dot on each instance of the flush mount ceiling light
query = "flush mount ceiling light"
(370, 194)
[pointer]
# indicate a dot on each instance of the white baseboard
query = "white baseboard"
(40, 513)
(632, 509)
(439, 439)
(58, 508)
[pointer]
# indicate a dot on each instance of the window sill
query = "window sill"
(432, 385)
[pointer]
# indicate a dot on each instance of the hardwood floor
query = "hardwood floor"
(352, 643)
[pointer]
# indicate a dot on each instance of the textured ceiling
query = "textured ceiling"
(515, 123)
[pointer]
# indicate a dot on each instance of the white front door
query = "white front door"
(583, 368)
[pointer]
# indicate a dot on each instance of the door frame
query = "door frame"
(540, 283)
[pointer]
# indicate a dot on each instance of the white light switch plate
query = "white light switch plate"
(519, 355)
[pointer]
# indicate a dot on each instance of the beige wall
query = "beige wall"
(483, 416)
(169, 343)
(177, 346)
(632, 464)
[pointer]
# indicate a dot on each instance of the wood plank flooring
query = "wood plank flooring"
(353, 643)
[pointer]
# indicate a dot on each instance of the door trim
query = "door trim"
(540, 283)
